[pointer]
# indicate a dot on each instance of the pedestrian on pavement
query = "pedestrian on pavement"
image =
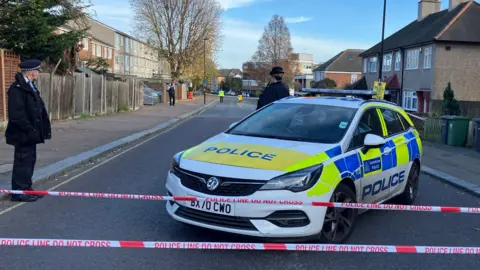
(221, 94)
(275, 90)
(28, 125)
(171, 93)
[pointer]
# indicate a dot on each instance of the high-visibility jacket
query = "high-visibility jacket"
(220, 93)
(240, 97)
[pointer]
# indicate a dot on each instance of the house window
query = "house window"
(412, 58)
(410, 101)
(98, 50)
(117, 60)
(109, 53)
(322, 75)
(117, 41)
(387, 62)
(372, 64)
(121, 40)
(126, 43)
(354, 78)
(105, 52)
(350, 57)
(85, 44)
(427, 57)
(398, 61)
(365, 65)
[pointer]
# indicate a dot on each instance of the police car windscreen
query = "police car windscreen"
(298, 122)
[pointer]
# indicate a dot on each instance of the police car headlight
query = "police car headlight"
(176, 162)
(297, 181)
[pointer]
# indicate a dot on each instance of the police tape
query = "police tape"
(33, 242)
(206, 202)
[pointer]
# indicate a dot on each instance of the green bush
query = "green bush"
(450, 105)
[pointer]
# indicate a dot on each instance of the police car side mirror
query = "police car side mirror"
(232, 124)
(372, 141)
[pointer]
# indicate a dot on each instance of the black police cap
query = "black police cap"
(29, 65)
(276, 70)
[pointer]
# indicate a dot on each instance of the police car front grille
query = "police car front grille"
(229, 186)
(240, 223)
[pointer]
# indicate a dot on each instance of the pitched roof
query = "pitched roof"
(229, 72)
(345, 61)
(459, 24)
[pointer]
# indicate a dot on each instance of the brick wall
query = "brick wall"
(8, 67)
(341, 78)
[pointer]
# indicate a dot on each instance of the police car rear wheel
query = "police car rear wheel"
(411, 189)
(339, 222)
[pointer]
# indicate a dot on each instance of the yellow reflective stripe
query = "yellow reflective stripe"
(391, 107)
(402, 152)
(246, 155)
(328, 180)
(311, 161)
(371, 154)
(382, 121)
(188, 150)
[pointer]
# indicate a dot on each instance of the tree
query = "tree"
(178, 29)
(196, 71)
(28, 27)
(99, 65)
(275, 49)
(232, 83)
(450, 104)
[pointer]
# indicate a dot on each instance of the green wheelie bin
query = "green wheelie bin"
(457, 130)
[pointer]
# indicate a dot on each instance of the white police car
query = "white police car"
(321, 149)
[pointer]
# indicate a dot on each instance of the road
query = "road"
(143, 169)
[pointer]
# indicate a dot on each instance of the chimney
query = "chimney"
(427, 7)
(454, 3)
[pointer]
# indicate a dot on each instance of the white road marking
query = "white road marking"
(103, 162)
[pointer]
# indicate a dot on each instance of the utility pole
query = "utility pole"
(381, 46)
(205, 70)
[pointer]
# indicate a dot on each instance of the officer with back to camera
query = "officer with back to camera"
(28, 125)
(274, 91)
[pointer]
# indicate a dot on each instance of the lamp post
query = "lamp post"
(383, 37)
(205, 70)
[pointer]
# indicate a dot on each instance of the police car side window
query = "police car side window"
(369, 124)
(392, 121)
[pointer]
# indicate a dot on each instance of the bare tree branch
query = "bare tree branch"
(177, 28)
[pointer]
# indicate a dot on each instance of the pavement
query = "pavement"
(77, 141)
(454, 165)
(142, 170)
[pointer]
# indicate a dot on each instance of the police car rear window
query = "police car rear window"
(298, 122)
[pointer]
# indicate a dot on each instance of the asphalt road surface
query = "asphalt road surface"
(143, 169)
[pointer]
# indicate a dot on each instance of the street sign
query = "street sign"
(379, 88)
(204, 82)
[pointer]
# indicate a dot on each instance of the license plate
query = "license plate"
(221, 208)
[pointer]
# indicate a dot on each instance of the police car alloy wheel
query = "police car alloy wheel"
(339, 222)
(292, 151)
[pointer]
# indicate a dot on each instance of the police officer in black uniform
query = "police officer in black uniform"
(28, 125)
(275, 90)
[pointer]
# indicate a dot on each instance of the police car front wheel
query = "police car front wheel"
(339, 222)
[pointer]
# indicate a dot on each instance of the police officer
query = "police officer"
(28, 125)
(275, 90)
(171, 93)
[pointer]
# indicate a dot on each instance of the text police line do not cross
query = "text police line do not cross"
(395, 207)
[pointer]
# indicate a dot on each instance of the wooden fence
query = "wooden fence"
(8, 67)
(74, 95)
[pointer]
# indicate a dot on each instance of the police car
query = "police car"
(310, 149)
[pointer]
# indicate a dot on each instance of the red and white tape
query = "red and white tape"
(395, 207)
(30, 242)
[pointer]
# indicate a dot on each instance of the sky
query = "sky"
(319, 27)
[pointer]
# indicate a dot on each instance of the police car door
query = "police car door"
(398, 149)
(372, 175)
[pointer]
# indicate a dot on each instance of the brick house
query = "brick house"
(98, 43)
(344, 68)
(440, 46)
